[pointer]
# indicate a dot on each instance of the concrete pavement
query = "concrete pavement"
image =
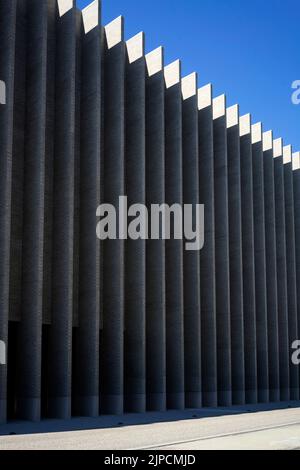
(254, 427)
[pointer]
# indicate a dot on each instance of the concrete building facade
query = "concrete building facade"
(104, 327)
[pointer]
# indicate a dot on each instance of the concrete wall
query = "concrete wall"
(132, 325)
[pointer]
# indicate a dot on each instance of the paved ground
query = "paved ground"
(254, 427)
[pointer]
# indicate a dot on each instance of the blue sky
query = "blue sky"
(248, 49)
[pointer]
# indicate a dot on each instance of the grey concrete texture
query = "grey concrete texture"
(260, 272)
(281, 272)
(112, 347)
(291, 272)
(135, 250)
(87, 354)
(281, 278)
(118, 326)
(235, 257)
(191, 259)
(207, 254)
(7, 66)
(174, 248)
(248, 260)
(155, 249)
(222, 253)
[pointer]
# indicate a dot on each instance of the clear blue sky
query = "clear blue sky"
(248, 49)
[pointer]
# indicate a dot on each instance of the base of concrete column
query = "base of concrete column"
(238, 397)
(210, 399)
(285, 394)
(156, 402)
(294, 394)
(225, 398)
(87, 406)
(29, 409)
(60, 407)
(251, 397)
(193, 400)
(3, 411)
(135, 403)
(176, 401)
(112, 404)
(274, 396)
(263, 396)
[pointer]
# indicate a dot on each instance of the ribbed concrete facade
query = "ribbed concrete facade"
(135, 325)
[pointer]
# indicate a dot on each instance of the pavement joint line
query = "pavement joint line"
(217, 436)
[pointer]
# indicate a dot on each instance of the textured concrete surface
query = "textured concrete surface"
(155, 249)
(112, 351)
(291, 264)
(174, 248)
(191, 259)
(248, 259)
(282, 314)
(64, 251)
(207, 255)
(235, 257)
(233, 428)
(120, 325)
(87, 348)
(222, 252)
(7, 65)
(135, 250)
(260, 263)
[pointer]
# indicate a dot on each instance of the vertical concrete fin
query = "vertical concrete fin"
(232, 116)
(236, 256)
(219, 106)
(205, 96)
(207, 254)
(172, 73)
(189, 85)
(222, 251)
(296, 161)
(256, 132)
(112, 349)
(248, 259)
(245, 125)
(7, 67)
(64, 193)
(291, 266)
(91, 15)
(136, 47)
(155, 61)
(278, 148)
(174, 253)
(155, 265)
(114, 32)
(29, 393)
(86, 370)
(135, 250)
(287, 154)
(65, 5)
(191, 275)
(268, 328)
(267, 140)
